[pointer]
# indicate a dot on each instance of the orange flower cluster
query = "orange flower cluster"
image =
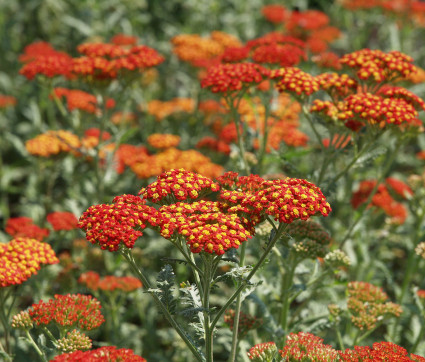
(378, 66)
(163, 141)
(383, 199)
(21, 258)
(69, 311)
(294, 80)
(42, 58)
(262, 352)
(199, 51)
(214, 144)
(110, 283)
(380, 351)
(127, 155)
(7, 101)
(305, 346)
(233, 77)
(124, 40)
(146, 166)
(178, 185)
(23, 226)
(275, 13)
(53, 143)
(122, 222)
(106, 61)
(368, 304)
(109, 353)
(62, 220)
(78, 99)
(161, 109)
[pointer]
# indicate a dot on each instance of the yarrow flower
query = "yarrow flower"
(228, 78)
(62, 220)
(21, 258)
(378, 66)
(337, 85)
(69, 311)
(368, 304)
(305, 346)
(22, 320)
(52, 143)
(337, 258)
(178, 185)
(109, 283)
(74, 341)
(246, 322)
(23, 226)
(263, 352)
(294, 80)
(380, 351)
(162, 141)
(163, 109)
(275, 13)
(78, 99)
(7, 101)
(122, 222)
(109, 354)
(204, 226)
(420, 249)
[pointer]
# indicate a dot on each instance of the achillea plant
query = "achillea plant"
(109, 353)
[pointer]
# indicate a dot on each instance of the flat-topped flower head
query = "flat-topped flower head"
(281, 54)
(69, 311)
(337, 85)
(22, 320)
(163, 140)
(74, 341)
(107, 61)
(368, 304)
(21, 258)
(109, 283)
(400, 92)
(109, 354)
(178, 185)
(263, 352)
(294, 80)
(366, 109)
(53, 143)
(378, 66)
(233, 77)
(23, 226)
(62, 220)
(204, 226)
(305, 346)
(118, 224)
(380, 351)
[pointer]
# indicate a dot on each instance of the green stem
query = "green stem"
(129, 257)
(237, 312)
(34, 345)
(338, 335)
(209, 330)
(244, 283)
(287, 282)
(362, 208)
(4, 316)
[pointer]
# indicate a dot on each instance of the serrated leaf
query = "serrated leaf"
(165, 287)
(370, 156)
(192, 298)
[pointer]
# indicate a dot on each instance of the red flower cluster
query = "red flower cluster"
(246, 322)
(106, 61)
(23, 226)
(380, 351)
(214, 144)
(78, 99)
(109, 283)
(383, 199)
(123, 40)
(275, 13)
(378, 66)
(7, 101)
(204, 226)
(225, 78)
(286, 200)
(109, 225)
(402, 93)
(42, 58)
(62, 220)
(103, 354)
(70, 311)
(368, 304)
(304, 346)
(337, 85)
(294, 80)
(21, 258)
(178, 185)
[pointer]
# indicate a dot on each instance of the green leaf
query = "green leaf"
(165, 288)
